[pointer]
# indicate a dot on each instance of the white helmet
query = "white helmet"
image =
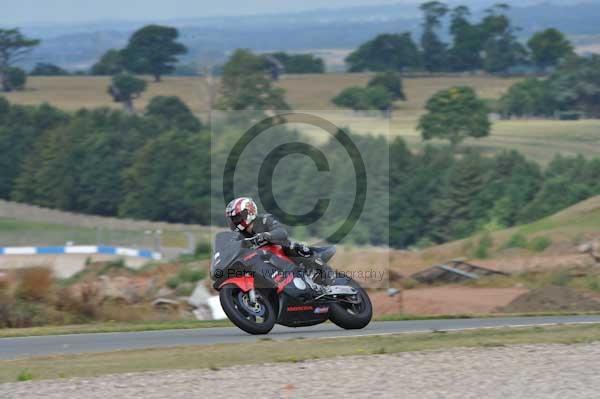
(240, 213)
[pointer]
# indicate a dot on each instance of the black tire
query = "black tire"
(240, 315)
(352, 317)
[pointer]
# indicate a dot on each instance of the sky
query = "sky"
(19, 12)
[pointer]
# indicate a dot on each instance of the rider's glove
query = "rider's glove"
(260, 239)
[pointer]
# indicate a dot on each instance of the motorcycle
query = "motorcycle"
(263, 285)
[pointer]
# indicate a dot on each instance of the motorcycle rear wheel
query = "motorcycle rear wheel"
(352, 316)
(255, 319)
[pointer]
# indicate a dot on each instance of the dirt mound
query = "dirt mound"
(551, 299)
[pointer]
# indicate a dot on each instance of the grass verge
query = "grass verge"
(111, 327)
(295, 350)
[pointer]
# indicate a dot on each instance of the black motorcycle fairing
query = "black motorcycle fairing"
(297, 309)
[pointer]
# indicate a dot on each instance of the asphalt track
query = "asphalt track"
(12, 348)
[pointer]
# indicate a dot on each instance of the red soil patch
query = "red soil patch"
(444, 300)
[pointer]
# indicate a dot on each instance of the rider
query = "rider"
(242, 217)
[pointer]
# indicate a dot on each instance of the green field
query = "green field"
(269, 351)
(538, 139)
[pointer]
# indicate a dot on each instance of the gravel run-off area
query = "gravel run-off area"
(527, 371)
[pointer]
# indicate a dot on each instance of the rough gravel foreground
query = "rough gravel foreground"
(528, 371)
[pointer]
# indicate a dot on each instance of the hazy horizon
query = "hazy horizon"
(29, 12)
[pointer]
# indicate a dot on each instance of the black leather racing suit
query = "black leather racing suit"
(266, 223)
(271, 231)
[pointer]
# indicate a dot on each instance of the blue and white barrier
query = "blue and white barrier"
(81, 250)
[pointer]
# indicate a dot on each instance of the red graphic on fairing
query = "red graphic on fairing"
(245, 283)
(301, 308)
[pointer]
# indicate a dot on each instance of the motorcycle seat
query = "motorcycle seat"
(325, 253)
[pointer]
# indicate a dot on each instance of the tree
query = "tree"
(455, 217)
(434, 50)
(576, 86)
(557, 193)
(513, 183)
(300, 63)
(173, 113)
(467, 43)
(13, 48)
(386, 52)
(502, 53)
(111, 63)
(549, 47)
(379, 98)
(169, 179)
(365, 98)
(125, 88)
(351, 97)
(15, 79)
(246, 84)
(530, 97)
(566, 181)
(455, 114)
(573, 87)
(78, 166)
(153, 49)
(501, 50)
(495, 21)
(390, 81)
(46, 69)
(20, 128)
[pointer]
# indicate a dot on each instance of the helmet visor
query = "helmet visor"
(239, 219)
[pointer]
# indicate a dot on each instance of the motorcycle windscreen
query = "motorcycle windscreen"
(226, 249)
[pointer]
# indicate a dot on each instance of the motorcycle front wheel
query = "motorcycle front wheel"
(254, 318)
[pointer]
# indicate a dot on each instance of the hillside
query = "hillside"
(563, 233)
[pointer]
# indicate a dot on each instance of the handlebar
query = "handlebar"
(249, 243)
